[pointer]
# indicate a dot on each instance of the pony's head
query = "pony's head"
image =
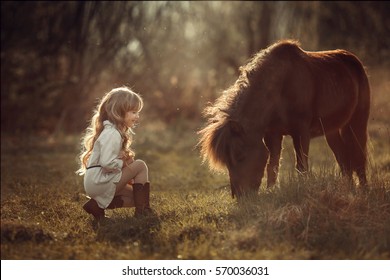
(226, 144)
(233, 136)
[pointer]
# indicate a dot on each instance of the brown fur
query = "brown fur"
(284, 90)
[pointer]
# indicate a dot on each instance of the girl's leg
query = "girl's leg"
(137, 194)
(127, 196)
(137, 171)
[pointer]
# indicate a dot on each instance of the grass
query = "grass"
(316, 218)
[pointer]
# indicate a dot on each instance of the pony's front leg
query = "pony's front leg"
(301, 143)
(274, 145)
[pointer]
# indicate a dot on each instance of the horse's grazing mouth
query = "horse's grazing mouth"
(285, 90)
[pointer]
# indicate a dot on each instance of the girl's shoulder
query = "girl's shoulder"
(110, 130)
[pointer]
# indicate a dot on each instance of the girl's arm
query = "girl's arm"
(126, 158)
(111, 142)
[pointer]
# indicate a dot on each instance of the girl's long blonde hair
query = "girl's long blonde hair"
(112, 107)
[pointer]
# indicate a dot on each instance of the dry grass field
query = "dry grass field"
(315, 218)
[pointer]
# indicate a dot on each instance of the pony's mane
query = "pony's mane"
(215, 145)
(214, 138)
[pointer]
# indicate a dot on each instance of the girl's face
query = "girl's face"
(131, 118)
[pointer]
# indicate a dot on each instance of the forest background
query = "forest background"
(59, 57)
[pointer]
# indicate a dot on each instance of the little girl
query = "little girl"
(112, 178)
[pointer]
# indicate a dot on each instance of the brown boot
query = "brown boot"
(117, 202)
(141, 199)
(91, 207)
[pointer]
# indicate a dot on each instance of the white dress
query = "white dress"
(106, 166)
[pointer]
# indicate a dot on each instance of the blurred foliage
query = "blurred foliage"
(58, 57)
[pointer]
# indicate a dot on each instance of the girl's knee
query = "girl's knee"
(141, 164)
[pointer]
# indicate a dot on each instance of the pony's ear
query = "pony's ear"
(236, 127)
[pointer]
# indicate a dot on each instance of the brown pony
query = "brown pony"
(284, 90)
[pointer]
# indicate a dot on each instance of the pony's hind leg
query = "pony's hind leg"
(339, 149)
(274, 145)
(355, 134)
(301, 146)
(356, 141)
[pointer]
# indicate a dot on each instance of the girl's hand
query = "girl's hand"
(128, 161)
